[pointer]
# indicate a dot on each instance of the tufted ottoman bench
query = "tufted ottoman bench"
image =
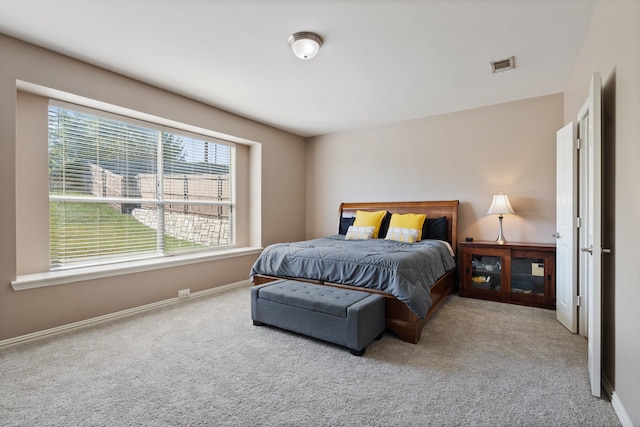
(341, 316)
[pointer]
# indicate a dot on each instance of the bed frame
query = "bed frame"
(399, 318)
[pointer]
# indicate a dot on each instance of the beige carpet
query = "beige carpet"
(203, 363)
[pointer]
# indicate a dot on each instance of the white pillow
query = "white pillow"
(359, 233)
(408, 235)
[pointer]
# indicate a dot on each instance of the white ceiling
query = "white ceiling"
(382, 61)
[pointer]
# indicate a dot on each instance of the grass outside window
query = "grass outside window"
(95, 231)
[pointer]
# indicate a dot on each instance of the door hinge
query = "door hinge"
(578, 301)
(578, 143)
(578, 222)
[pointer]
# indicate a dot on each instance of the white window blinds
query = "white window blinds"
(120, 189)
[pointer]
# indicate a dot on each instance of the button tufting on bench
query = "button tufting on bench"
(345, 317)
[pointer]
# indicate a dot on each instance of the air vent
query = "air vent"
(503, 64)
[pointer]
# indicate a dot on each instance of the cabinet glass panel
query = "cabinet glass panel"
(486, 272)
(527, 276)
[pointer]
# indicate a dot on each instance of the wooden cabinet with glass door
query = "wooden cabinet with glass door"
(519, 273)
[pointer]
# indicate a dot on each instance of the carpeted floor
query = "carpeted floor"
(203, 363)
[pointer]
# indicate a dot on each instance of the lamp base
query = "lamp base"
(500, 240)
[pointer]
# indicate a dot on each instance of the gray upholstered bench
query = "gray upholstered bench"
(341, 316)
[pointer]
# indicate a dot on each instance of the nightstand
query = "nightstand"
(518, 273)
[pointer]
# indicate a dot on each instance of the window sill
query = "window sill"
(39, 280)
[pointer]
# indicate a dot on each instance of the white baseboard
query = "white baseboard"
(624, 418)
(119, 314)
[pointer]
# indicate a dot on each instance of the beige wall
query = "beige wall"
(612, 47)
(32, 189)
(272, 190)
(468, 155)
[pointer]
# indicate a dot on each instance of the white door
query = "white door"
(590, 125)
(566, 231)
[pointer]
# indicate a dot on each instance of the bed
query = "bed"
(412, 295)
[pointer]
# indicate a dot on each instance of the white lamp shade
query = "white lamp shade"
(500, 205)
(305, 45)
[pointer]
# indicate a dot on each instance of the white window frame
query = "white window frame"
(159, 200)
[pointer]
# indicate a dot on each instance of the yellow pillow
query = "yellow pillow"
(409, 221)
(368, 219)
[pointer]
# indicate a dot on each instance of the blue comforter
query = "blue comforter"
(405, 270)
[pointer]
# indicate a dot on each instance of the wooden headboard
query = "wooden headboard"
(433, 209)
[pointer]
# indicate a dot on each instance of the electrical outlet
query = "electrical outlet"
(184, 293)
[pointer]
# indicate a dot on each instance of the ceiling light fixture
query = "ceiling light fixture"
(305, 45)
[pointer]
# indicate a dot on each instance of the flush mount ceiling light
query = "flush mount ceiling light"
(305, 45)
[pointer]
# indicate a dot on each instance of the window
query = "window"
(122, 189)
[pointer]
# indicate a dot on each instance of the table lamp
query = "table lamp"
(499, 206)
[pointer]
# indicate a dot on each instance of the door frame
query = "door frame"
(588, 238)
